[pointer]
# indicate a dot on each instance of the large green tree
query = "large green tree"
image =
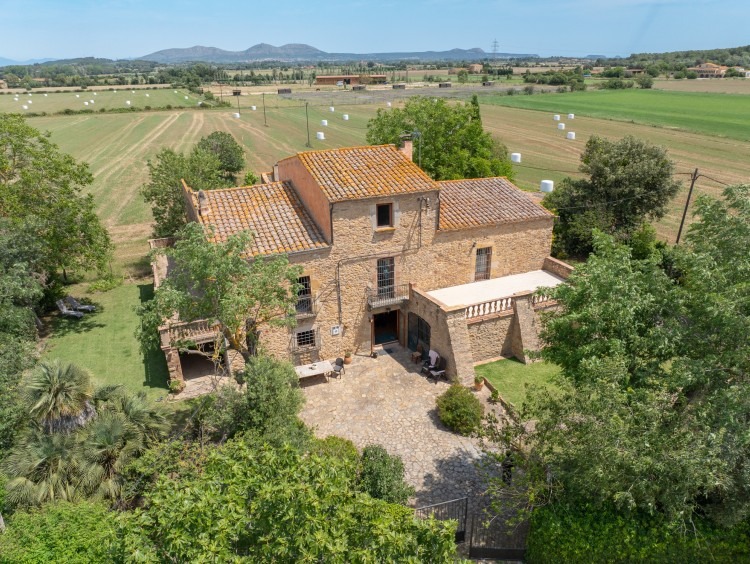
(229, 152)
(450, 144)
(41, 184)
(655, 372)
(256, 503)
(217, 281)
(629, 182)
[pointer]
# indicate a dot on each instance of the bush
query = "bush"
(528, 90)
(335, 447)
(565, 534)
(460, 410)
(61, 532)
(105, 284)
(382, 476)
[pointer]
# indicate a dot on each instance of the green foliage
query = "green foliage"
(583, 534)
(250, 178)
(217, 281)
(200, 169)
(258, 504)
(645, 81)
(460, 410)
(629, 181)
(651, 420)
(82, 533)
(451, 143)
(40, 184)
(268, 407)
(105, 284)
(227, 150)
(335, 447)
(382, 476)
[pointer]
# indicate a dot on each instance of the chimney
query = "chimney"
(276, 172)
(203, 208)
(406, 147)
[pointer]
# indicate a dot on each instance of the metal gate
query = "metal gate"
(497, 539)
(455, 509)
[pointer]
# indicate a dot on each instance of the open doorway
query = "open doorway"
(385, 327)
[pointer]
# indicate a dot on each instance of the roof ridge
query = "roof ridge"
(231, 188)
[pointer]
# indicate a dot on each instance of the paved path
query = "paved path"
(385, 401)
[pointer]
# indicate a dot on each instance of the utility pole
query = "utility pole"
(264, 110)
(693, 178)
(494, 49)
(307, 119)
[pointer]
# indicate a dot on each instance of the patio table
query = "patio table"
(322, 367)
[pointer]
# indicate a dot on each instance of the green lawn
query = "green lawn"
(726, 115)
(511, 376)
(104, 343)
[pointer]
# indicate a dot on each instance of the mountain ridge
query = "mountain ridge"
(299, 52)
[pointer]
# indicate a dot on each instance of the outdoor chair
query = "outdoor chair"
(338, 367)
(439, 370)
(433, 358)
(66, 311)
(78, 306)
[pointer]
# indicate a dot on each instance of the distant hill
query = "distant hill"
(5, 62)
(298, 52)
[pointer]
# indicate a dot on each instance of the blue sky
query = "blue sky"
(132, 28)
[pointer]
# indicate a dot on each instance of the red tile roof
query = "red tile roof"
(484, 201)
(273, 212)
(355, 173)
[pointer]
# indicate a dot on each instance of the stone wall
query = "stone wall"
(558, 267)
(491, 336)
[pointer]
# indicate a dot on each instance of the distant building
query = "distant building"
(709, 70)
(3, 84)
(350, 79)
(476, 68)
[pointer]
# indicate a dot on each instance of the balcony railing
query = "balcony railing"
(307, 306)
(387, 295)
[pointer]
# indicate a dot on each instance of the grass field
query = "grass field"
(117, 146)
(511, 376)
(103, 342)
(712, 114)
(53, 102)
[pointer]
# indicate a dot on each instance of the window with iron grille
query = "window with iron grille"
(306, 338)
(304, 295)
(484, 260)
(385, 215)
(386, 277)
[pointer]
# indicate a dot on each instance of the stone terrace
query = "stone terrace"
(386, 401)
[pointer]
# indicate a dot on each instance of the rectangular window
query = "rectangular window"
(385, 215)
(386, 277)
(306, 338)
(484, 260)
(304, 296)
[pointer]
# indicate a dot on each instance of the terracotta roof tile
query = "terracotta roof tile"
(484, 201)
(354, 173)
(273, 212)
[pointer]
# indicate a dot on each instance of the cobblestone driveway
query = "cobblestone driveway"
(385, 401)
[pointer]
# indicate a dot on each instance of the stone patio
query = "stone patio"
(386, 401)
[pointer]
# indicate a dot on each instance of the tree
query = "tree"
(629, 182)
(39, 183)
(76, 533)
(216, 281)
(382, 476)
(450, 143)
(655, 365)
(230, 154)
(257, 503)
(200, 169)
(645, 81)
(60, 396)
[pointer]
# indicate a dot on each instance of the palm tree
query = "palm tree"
(146, 416)
(60, 396)
(110, 443)
(42, 467)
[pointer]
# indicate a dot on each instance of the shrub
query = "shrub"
(176, 386)
(460, 410)
(382, 476)
(335, 447)
(528, 89)
(105, 284)
(564, 534)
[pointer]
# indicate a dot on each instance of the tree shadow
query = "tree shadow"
(61, 325)
(156, 374)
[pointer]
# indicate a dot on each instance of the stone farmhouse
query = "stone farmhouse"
(709, 70)
(391, 256)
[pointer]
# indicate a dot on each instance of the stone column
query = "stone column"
(173, 364)
(524, 329)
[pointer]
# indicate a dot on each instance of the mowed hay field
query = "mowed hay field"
(118, 146)
(54, 102)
